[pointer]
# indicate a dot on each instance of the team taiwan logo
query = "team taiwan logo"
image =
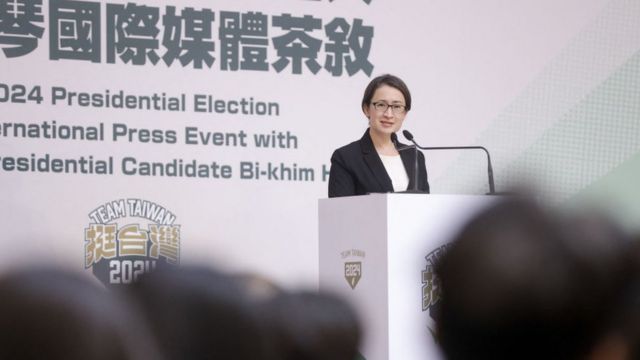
(430, 282)
(352, 268)
(129, 237)
(353, 272)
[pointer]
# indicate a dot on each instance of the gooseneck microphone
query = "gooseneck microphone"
(394, 140)
(396, 144)
(492, 189)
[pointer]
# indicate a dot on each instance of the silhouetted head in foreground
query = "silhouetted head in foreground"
(54, 314)
(199, 313)
(306, 325)
(522, 283)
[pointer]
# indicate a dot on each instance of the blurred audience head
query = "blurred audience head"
(258, 288)
(306, 325)
(199, 313)
(520, 282)
(54, 314)
(631, 317)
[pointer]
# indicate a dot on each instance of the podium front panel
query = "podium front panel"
(378, 251)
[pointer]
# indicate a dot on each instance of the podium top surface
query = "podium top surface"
(422, 197)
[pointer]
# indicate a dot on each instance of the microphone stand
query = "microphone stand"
(492, 190)
(414, 189)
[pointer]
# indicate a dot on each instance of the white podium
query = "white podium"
(378, 252)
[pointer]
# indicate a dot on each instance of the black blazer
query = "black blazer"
(356, 169)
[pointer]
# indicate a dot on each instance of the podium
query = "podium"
(378, 252)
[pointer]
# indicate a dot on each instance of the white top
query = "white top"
(395, 168)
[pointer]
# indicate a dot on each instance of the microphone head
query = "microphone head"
(407, 135)
(394, 138)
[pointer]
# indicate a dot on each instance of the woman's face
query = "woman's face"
(386, 112)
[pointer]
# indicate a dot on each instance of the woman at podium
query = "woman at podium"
(377, 163)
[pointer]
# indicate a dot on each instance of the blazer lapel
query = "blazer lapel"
(373, 161)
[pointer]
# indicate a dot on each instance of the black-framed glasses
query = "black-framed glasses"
(382, 107)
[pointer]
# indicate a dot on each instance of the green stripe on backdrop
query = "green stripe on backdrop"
(574, 123)
(618, 192)
(595, 136)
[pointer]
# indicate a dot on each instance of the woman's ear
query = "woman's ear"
(365, 110)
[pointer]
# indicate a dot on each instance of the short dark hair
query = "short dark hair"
(57, 314)
(389, 80)
(309, 325)
(521, 282)
(197, 312)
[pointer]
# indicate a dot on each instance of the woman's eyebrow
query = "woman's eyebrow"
(387, 101)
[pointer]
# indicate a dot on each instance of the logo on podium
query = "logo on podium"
(353, 273)
(431, 286)
(353, 259)
(430, 282)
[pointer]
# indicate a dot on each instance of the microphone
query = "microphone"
(394, 140)
(407, 135)
(396, 144)
(492, 189)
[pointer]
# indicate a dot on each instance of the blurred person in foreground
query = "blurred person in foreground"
(522, 283)
(199, 313)
(632, 317)
(258, 287)
(52, 314)
(306, 325)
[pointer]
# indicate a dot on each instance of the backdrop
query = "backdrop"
(138, 134)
